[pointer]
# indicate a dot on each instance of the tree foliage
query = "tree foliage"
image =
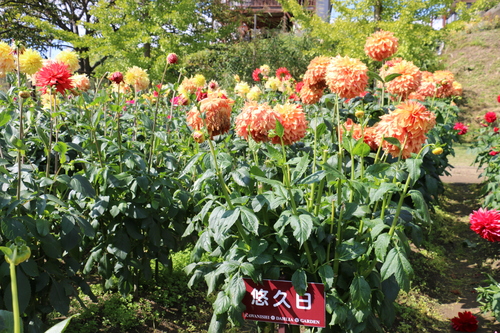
(357, 19)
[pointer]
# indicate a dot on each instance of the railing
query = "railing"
(269, 5)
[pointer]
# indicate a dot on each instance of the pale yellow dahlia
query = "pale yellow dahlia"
(81, 82)
(294, 122)
(381, 45)
(7, 61)
(408, 123)
(30, 61)
(316, 71)
(48, 101)
(407, 82)
(256, 120)
(137, 78)
(311, 95)
(274, 84)
(69, 58)
(347, 77)
(457, 89)
(216, 113)
(241, 89)
(199, 80)
(254, 93)
(265, 70)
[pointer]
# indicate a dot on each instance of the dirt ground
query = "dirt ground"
(468, 263)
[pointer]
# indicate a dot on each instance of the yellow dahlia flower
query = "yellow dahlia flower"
(241, 89)
(30, 61)
(347, 77)
(256, 120)
(7, 61)
(381, 45)
(199, 80)
(70, 58)
(274, 84)
(137, 78)
(48, 101)
(254, 93)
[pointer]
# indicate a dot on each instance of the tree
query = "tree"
(356, 19)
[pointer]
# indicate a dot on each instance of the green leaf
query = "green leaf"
(375, 76)
(299, 170)
(393, 141)
(391, 77)
(274, 154)
(397, 264)
(82, 185)
(4, 117)
(302, 226)
(384, 188)
(299, 281)
(360, 292)
(313, 178)
(60, 326)
(361, 148)
(326, 275)
(381, 245)
(7, 322)
(241, 177)
(420, 205)
(280, 130)
(222, 303)
(62, 149)
(58, 298)
(237, 289)
(249, 220)
(413, 165)
(350, 250)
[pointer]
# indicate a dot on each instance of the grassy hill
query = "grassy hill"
(473, 56)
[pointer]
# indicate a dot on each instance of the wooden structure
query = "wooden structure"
(269, 14)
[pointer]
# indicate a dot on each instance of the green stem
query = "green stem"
(225, 191)
(332, 219)
(315, 152)
(15, 299)
(398, 209)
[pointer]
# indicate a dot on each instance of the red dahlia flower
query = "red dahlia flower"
(493, 153)
(490, 117)
(498, 98)
(255, 74)
(116, 77)
(172, 58)
(461, 128)
(283, 74)
(55, 75)
(465, 322)
(486, 223)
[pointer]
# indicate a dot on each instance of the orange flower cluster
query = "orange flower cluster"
(381, 45)
(314, 80)
(214, 112)
(407, 82)
(257, 120)
(347, 77)
(294, 122)
(444, 81)
(426, 89)
(409, 123)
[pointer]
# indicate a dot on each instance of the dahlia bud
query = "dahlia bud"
(198, 136)
(24, 94)
(359, 114)
(172, 58)
(116, 77)
(437, 151)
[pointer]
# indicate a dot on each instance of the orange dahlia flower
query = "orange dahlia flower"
(216, 113)
(407, 82)
(408, 123)
(188, 86)
(381, 45)
(351, 128)
(457, 89)
(311, 94)
(81, 82)
(316, 71)
(347, 77)
(444, 81)
(256, 120)
(294, 122)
